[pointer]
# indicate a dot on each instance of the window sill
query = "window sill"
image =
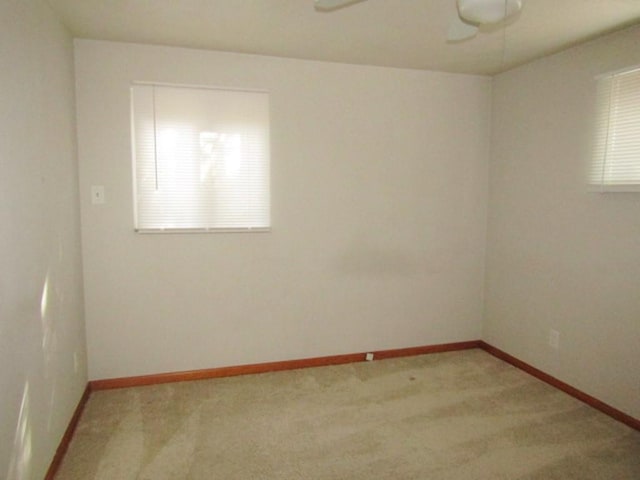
(202, 230)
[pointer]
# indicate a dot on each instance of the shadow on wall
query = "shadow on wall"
(373, 261)
(364, 257)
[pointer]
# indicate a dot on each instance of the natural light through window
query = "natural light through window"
(200, 159)
(616, 154)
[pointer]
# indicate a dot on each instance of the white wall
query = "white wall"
(560, 257)
(379, 180)
(42, 344)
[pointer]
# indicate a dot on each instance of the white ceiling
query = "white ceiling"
(395, 33)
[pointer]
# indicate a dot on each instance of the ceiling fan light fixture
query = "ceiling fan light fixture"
(487, 11)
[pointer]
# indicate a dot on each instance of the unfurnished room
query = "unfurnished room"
(320, 239)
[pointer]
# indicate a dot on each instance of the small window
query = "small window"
(616, 160)
(200, 159)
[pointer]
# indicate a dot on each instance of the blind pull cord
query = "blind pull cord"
(155, 136)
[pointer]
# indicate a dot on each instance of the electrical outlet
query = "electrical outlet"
(368, 357)
(554, 339)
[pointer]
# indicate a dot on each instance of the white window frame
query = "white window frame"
(615, 163)
(207, 194)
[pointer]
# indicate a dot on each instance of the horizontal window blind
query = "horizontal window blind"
(200, 159)
(616, 154)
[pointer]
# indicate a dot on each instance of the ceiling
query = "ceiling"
(393, 33)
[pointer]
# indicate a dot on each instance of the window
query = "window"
(200, 159)
(616, 160)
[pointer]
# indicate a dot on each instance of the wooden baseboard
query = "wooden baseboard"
(234, 371)
(137, 381)
(319, 362)
(560, 385)
(68, 434)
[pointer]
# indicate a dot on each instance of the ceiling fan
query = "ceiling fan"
(474, 13)
(471, 14)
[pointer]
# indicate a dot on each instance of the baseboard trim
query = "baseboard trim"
(68, 435)
(560, 385)
(125, 382)
(137, 381)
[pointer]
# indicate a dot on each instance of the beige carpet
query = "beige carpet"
(461, 415)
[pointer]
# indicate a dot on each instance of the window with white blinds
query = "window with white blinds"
(616, 160)
(200, 159)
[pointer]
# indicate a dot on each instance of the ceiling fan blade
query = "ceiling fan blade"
(330, 5)
(459, 30)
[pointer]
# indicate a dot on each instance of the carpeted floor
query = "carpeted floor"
(460, 415)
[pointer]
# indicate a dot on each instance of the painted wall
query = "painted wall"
(42, 342)
(560, 257)
(379, 180)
